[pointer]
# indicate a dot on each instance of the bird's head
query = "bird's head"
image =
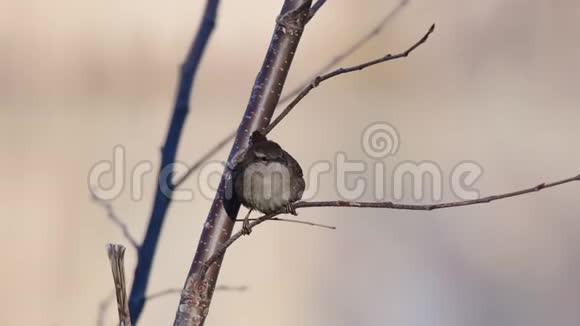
(267, 151)
(263, 149)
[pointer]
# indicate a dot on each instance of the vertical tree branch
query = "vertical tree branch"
(116, 255)
(168, 152)
(197, 293)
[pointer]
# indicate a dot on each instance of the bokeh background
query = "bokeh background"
(497, 84)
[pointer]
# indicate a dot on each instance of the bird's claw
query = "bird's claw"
(246, 229)
(291, 209)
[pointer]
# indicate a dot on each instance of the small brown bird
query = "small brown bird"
(264, 177)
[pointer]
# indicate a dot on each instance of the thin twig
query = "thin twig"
(203, 159)
(330, 227)
(162, 293)
(226, 288)
(388, 205)
(165, 292)
(116, 255)
(108, 207)
(376, 30)
(103, 307)
(431, 207)
(106, 302)
(314, 9)
(316, 81)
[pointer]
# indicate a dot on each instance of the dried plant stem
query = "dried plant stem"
(116, 255)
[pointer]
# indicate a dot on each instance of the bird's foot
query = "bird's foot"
(246, 229)
(291, 209)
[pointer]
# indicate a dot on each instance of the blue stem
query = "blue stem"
(169, 151)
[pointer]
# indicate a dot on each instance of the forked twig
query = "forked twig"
(376, 30)
(316, 81)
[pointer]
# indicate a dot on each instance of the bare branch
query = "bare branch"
(389, 205)
(376, 30)
(430, 207)
(295, 221)
(108, 207)
(316, 81)
(116, 255)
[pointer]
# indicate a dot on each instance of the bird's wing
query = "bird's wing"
(231, 201)
(294, 164)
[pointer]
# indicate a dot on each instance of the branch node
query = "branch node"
(292, 22)
(541, 186)
(315, 82)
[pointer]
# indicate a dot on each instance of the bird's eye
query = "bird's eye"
(261, 156)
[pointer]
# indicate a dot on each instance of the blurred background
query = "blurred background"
(496, 84)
